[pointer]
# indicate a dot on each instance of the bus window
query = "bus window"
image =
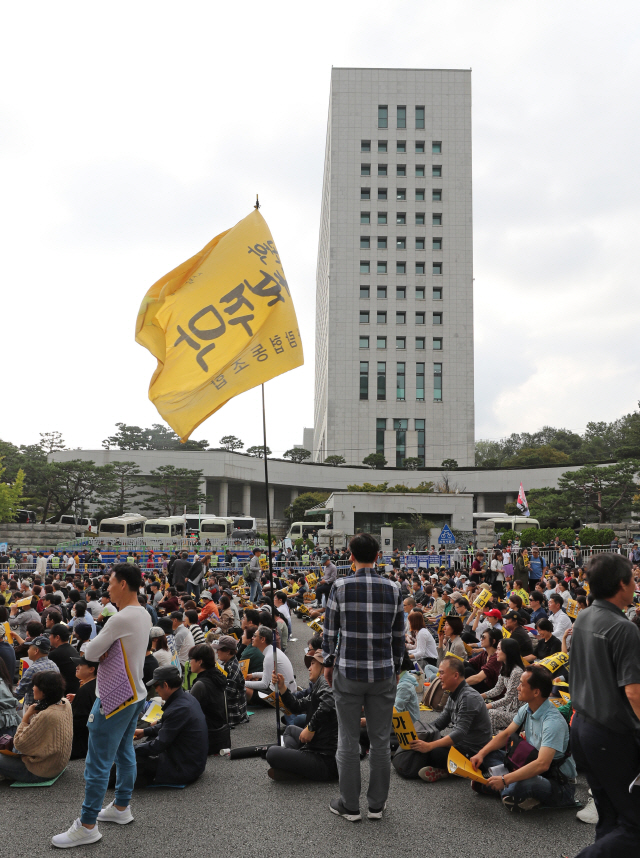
(111, 527)
(157, 528)
(214, 527)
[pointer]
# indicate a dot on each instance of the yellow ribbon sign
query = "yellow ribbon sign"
(219, 324)
(555, 662)
(403, 728)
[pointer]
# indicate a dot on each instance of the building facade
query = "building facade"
(394, 314)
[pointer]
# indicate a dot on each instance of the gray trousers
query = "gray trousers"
(378, 699)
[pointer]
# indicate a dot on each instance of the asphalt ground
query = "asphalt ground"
(234, 809)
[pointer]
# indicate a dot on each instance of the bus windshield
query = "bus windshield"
(157, 528)
(111, 527)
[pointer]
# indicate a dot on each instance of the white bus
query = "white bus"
(216, 528)
(165, 528)
(297, 528)
(501, 521)
(244, 522)
(127, 526)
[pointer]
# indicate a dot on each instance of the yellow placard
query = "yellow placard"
(302, 609)
(220, 323)
(244, 666)
(441, 623)
(572, 609)
(153, 714)
(449, 654)
(505, 633)
(311, 579)
(403, 728)
(566, 697)
(554, 662)
(8, 633)
(458, 764)
(221, 668)
(560, 682)
(271, 700)
(557, 701)
(315, 625)
(482, 599)
(22, 603)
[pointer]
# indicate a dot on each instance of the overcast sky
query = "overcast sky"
(132, 133)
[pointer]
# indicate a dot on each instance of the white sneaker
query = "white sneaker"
(112, 814)
(588, 814)
(77, 835)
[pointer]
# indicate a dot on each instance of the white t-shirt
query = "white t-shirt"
(131, 626)
(560, 622)
(284, 667)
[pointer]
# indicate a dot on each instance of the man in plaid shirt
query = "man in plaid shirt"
(38, 652)
(363, 646)
(226, 648)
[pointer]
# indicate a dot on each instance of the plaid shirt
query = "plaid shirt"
(25, 686)
(364, 619)
(236, 697)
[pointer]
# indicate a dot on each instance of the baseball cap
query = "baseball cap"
(225, 642)
(494, 612)
(83, 660)
(206, 595)
(156, 632)
(324, 557)
(42, 643)
(317, 656)
(513, 615)
(168, 673)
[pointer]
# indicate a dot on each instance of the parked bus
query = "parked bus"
(244, 522)
(297, 528)
(216, 528)
(127, 526)
(172, 525)
(501, 521)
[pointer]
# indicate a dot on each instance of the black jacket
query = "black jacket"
(320, 707)
(181, 572)
(180, 740)
(208, 689)
(62, 658)
(81, 709)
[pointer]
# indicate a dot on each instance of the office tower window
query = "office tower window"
(420, 192)
(365, 145)
(420, 431)
(364, 342)
(401, 267)
(437, 267)
(365, 242)
(381, 342)
(436, 170)
(382, 193)
(382, 217)
(401, 218)
(402, 116)
(437, 293)
(382, 381)
(382, 169)
(382, 242)
(420, 171)
(364, 291)
(381, 317)
(401, 243)
(437, 344)
(420, 267)
(436, 147)
(401, 317)
(420, 343)
(401, 293)
(365, 193)
(436, 244)
(419, 117)
(364, 317)
(436, 195)
(365, 217)
(381, 292)
(420, 318)
(420, 147)
(437, 382)
(382, 145)
(381, 425)
(383, 116)
(420, 244)
(400, 427)
(365, 169)
(401, 170)
(436, 219)
(437, 318)
(400, 382)
(401, 193)
(364, 379)
(365, 267)
(420, 382)
(401, 343)
(419, 293)
(382, 268)
(420, 219)
(401, 147)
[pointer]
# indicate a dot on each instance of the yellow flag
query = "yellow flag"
(219, 324)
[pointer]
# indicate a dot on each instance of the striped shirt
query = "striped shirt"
(364, 619)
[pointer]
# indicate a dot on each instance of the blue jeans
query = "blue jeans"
(548, 793)
(13, 769)
(255, 591)
(110, 740)
(296, 720)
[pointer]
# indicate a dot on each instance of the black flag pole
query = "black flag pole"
(273, 609)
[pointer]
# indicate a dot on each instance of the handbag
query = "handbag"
(519, 753)
(6, 744)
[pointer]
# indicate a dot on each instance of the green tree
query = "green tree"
(375, 460)
(173, 490)
(51, 442)
(607, 489)
(551, 507)
(297, 454)
(307, 500)
(158, 437)
(450, 464)
(67, 486)
(531, 456)
(11, 495)
(231, 443)
(412, 463)
(258, 451)
(122, 487)
(335, 460)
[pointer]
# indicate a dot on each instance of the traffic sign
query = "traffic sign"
(446, 537)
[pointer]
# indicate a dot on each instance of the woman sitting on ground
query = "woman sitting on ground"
(482, 670)
(44, 736)
(209, 690)
(425, 651)
(502, 710)
(160, 647)
(225, 623)
(450, 640)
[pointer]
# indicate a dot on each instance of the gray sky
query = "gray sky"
(132, 133)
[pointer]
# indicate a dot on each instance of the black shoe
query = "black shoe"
(339, 809)
(284, 776)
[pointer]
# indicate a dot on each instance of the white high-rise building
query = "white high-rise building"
(394, 326)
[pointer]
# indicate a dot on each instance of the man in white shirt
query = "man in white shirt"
(41, 565)
(263, 640)
(557, 617)
(183, 638)
(70, 565)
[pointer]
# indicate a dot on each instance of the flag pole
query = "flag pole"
(273, 610)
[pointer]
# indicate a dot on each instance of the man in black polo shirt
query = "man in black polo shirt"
(605, 693)
(63, 654)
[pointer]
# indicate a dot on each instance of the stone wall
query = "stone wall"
(36, 536)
